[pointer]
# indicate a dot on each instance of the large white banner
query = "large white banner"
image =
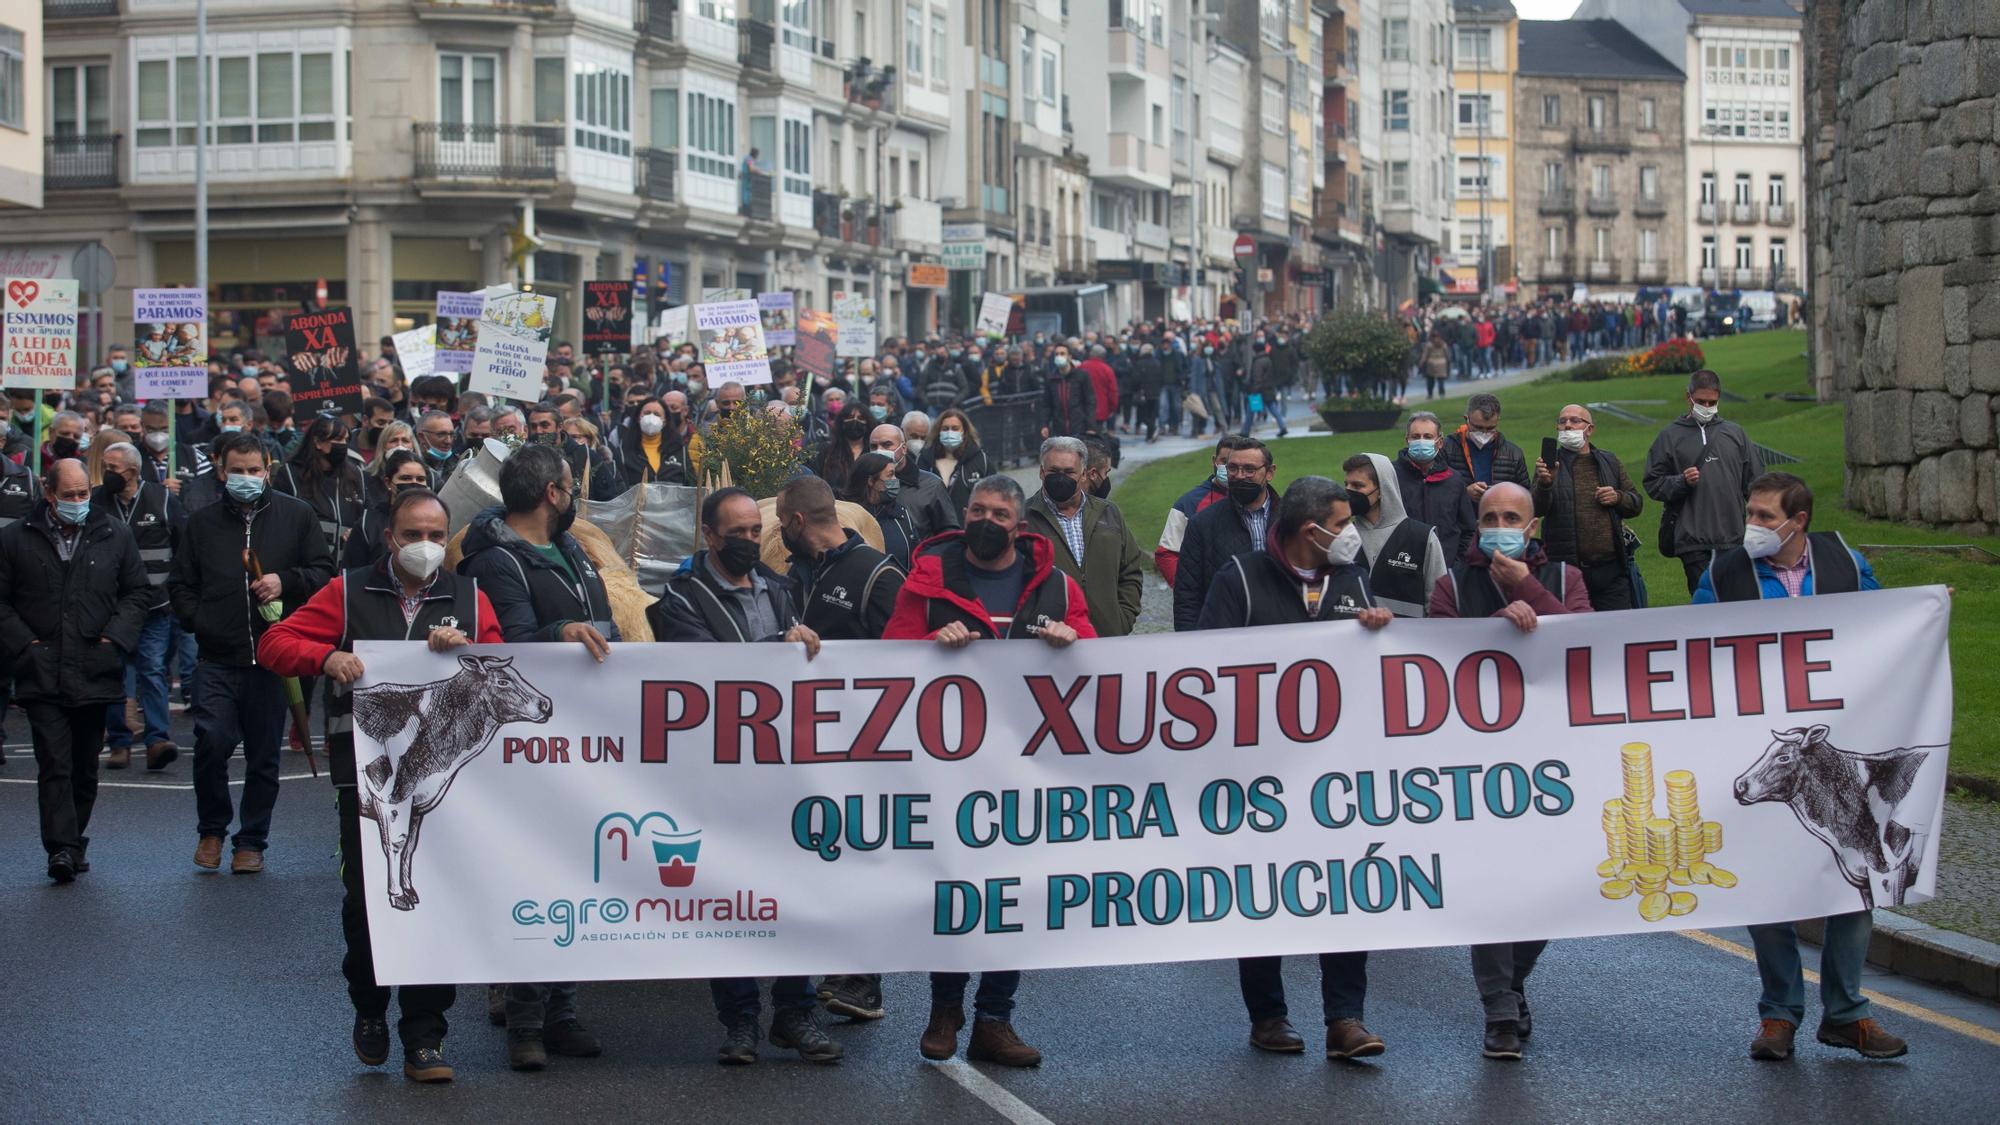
(38, 319)
(511, 353)
(733, 810)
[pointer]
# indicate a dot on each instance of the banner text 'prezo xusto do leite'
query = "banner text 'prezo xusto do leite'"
(733, 810)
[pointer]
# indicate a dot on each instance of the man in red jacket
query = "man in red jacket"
(406, 596)
(989, 580)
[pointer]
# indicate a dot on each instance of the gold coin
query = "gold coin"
(1608, 868)
(1679, 779)
(1700, 870)
(1616, 889)
(1681, 902)
(1722, 878)
(1629, 870)
(1712, 835)
(1680, 877)
(1654, 907)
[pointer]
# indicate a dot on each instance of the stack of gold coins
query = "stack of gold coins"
(1636, 760)
(1660, 842)
(1614, 829)
(1711, 836)
(1684, 810)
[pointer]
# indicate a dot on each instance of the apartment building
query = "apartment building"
(1743, 129)
(21, 112)
(1598, 175)
(1272, 199)
(1416, 109)
(1480, 258)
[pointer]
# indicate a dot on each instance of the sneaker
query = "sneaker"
(62, 866)
(246, 861)
(524, 1049)
(371, 1040)
(571, 1039)
(1347, 1039)
(425, 1064)
(798, 1029)
(1865, 1036)
(208, 853)
(1774, 1040)
(161, 754)
(739, 1047)
(1276, 1034)
(995, 1041)
(940, 1039)
(120, 757)
(856, 997)
(1503, 1040)
(496, 1005)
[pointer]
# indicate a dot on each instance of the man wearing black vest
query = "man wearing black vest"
(1403, 555)
(1584, 500)
(725, 594)
(1700, 467)
(1506, 574)
(1307, 571)
(403, 596)
(544, 589)
(990, 579)
(1781, 558)
(1225, 529)
(155, 517)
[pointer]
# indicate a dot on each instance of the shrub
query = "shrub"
(1675, 357)
(1595, 370)
(1371, 351)
(758, 451)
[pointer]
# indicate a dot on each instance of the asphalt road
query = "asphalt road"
(148, 991)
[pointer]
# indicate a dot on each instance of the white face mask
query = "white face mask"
(651, 424)
(1703, 414)
(1481, 438)
(420, 559)
(916, 446)
(1570, 439)
(1345, 547)
(156, 440)
(1762, 542)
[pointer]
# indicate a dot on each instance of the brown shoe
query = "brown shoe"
(121, 757)
(246, 861)
(994, 1041)
(1276, 1033)
(160, 754)
(1865, 1036)
(208, 853)
(940, 1039)
(1774, 1040)
(1347, 1039)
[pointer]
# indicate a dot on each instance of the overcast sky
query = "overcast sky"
(1545, 9)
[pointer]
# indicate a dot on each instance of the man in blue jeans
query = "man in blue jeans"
(154, 516)
(1780, 558)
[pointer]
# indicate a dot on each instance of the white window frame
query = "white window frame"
(1271, 108)
(1480, 59)
(1393, 120)
(1395, 39)
(1746, 252)
(913, 41)
(1475, 102)
(81, 103)
(795, 24)
(176, 131)
(601, 114)
(1551, 110)
(13, 78)
(710, 136)
(1274, 191)
(1398, 179)
(1774, 190)
(1708, 252)
(1649, 181)
(1050, 77)
(796, 149)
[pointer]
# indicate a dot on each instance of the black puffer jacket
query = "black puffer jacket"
(1214, 536)
(65, 629)
(533, 597)
(210, 589)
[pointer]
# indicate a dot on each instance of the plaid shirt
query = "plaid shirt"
(1072, 531)
(1793, 577)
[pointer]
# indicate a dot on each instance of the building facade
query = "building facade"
(1344, 223)
(22, 114)
(1744, 131)
(1598, 153)
(1483, 65)
(1273, 197)
(1417, 205)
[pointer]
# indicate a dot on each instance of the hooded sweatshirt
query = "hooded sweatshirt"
(1379, 527)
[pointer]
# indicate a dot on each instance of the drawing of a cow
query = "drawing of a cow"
(1849, 801)
(429, 732)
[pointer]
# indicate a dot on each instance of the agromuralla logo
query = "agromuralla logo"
(636, 852)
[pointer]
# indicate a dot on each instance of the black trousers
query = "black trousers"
(1609, 584)
(67, 740)
(1695, 563)
(423, 1005)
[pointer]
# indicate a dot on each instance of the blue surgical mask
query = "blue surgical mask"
(245, 489)
(877, 411)
(1222, 475)
(229, 428)
(73, 512)
(1509, 541)
(950, 439)
(1423, 449)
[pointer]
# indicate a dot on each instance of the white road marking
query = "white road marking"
(993, 1094)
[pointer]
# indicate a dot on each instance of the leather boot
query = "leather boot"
(940, 1039)
(121, 758)
(994, 1041)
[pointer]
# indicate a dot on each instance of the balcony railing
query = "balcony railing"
(868, 86)
(1649, 205)
(1650, 269)
(756, 44)
(1743, 277)
(657, 19)
(655, 172)
(1778, 214)
(761, 204)
(1709, 276)
(1602, 139)
(1555, 267)
(1782, 277)
(1048, 222)
(1556, 201)
(1744, 213)
(78, 9)
(79, 162)
(499, 153)
(826, 214)
(1603, 269)
(1705, 212)
(1596, 204)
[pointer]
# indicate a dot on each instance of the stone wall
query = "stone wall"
(1904, 219)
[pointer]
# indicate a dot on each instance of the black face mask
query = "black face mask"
(114, 482)
(1245, 492)
(337, 455)
(854, 429)
(986, 540)
(794, 546)
(736, 556)
(63, 448)
(1059, 488)
(561, 521)
(1357, 503)
(1102, 489)
(674, 419)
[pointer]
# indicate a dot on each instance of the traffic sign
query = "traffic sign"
(1245, 247)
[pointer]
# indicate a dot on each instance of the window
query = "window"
(1777, 255)
(13, 78)
(711, 135)
(1271, 20)
(1159, 125)
(1048, 78)
(722, 11)
(1649, 114)
(603, 109)
(1600, 181)
(1708, 187)
(1552, 178)
(913, 41)
(1597, 113)
(1396, 111)
(549, 91)
(1472, 177)
(1179, 103)
(666, 119)
(466, 89)
(1396, 40)
(1774, 191)
(1399, 181)
(1552, 242)
(1757, 122)
(1552, 109)
(796, 22)
(1745, 253)
(1708, 251)
(1475, 113)
(1475, 48)
(280, 96)
(1271, 110)
(937, 46)
(80, 100)
(798, 158)
(1649, 244)
(1029, 73)
(1649, 182)
(917, 185)
(1742, 189)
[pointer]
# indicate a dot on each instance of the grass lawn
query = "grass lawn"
(1752, 367)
